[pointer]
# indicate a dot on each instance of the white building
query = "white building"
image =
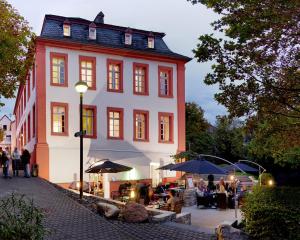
(5, 125)
(134, 108)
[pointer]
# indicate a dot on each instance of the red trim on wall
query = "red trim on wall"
(33, 76)
(146, 67)
(65, 57)
(66, 106)
(146, 113)
(121, 111)
(42, 148)
(94, 109)
(93, 60)
(116, 62)
(181, 106)
(171, 116)
(169, 70)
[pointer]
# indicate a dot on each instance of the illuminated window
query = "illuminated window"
(115, 123)
(150, 42)
(114, 80)
(128, 38)
(89, 121)
(140, 79)
(88, 71)
(67, 30)
(59, 118)
(165, 82)
(141, 119)
(58, 69)
(165, 127)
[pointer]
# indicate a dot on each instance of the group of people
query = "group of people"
(16, 160)
(209, 191)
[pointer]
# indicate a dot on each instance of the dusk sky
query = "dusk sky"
(182, 22)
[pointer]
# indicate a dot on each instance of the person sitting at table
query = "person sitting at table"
(222, 188)
(201, 189)
(172, 200)
(159, 189)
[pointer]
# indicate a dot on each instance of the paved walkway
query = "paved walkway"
(67, 219)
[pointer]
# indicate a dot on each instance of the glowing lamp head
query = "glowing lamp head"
(270, 182)
(231, 177)
(81, 87)
(77, 185)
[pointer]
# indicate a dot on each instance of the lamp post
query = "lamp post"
(81, 87)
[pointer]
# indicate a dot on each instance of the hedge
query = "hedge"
(272, 213)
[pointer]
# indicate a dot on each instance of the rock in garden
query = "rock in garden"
(227, 232)
(134, 213)
(108, 210)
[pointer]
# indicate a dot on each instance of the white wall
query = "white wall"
(64, 151)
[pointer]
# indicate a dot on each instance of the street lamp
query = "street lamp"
(81, 87)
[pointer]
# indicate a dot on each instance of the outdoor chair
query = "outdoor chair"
(221, 200)
(178, 207)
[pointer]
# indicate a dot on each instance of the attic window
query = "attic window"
(92, 32)
(67, 30)
(151, 42)
(128, 38)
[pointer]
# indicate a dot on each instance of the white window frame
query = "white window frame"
(92, 33)
(67, 33)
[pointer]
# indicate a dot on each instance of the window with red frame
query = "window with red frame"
(140, 79)
(28, 128)
(165, 127)
(88, 71)
(33, 121)
(165, 81)
(59, 119)
(59, 69)
(115, 123)
(90, 121)
(141, 125)
(114, 75)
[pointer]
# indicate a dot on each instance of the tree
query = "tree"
(257, 63)
(229, 139)
(198, 138)
(275, 140)
(16, 49)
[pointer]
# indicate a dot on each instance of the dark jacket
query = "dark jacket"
(25, 157)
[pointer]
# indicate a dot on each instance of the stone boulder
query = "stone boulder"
(227, 232)
(134, 213)
(107, 210)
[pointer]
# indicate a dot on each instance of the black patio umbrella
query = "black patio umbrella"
(166, 167)
(238, 166)
(199, 166)
(107, 167)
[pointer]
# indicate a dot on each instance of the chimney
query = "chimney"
(99, 18)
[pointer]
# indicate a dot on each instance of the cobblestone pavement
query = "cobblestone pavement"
(67, 219)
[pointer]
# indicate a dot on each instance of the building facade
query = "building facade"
(6, 125)
(134, 109)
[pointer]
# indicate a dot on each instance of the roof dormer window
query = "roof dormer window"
(92, 31)
(67, 28)
(128, 36)
(151, 41)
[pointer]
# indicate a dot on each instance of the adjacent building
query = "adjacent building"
(134, 109)
(6, 126)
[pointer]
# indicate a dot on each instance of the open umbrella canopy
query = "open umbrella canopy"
(199, 166)
(166, 167)
(238, 166)
(107, 167)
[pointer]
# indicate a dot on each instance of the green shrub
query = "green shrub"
(272, 213)
(20, 219)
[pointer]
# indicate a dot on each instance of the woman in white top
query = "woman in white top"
(16, 161)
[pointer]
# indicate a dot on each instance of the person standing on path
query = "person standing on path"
(25, 158)
(16, 161)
